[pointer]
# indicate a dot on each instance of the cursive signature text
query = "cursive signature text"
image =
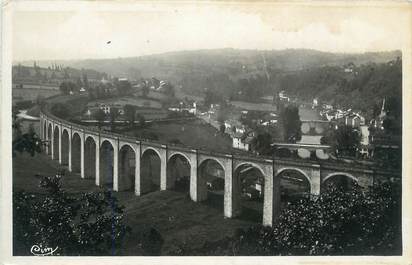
(37, 250)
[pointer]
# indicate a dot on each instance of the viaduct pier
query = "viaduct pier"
(117, 160)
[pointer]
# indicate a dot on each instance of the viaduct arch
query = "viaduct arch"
(94, 153)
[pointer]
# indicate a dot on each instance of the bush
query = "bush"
(28, 142)
(150, 242)
(87, 224)
(25, 104)
(339, 222)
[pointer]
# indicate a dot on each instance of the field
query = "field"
(32, 93)
(140, 102)
(194, 133)
(254, 106)
(36, 86)
(307, 113)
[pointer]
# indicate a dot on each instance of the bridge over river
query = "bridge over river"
(117, 160)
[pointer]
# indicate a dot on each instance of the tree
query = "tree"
(222, 114)
(222, 128)
(142, 120)
(394, 107)
(64, 88)
(100, 116)
(360, 89)
(67, 87)
(290, 120)
(251, 119)
(114, 114)
(92, 93)
(261, 143)
(124, 87)
(393, 121)
(83, 224)
(339, 222)
(345, 140)
(168, 89)
(392, 126)
(130, 113)
(79, 82)
(40, 100)
(66, 73)
(85, 81)
(145, 90)
(25, 142)
(211, 97)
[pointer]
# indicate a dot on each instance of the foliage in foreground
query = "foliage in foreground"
(87, 224)
(338, 223)
(25, 142)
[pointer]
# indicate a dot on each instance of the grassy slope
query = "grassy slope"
(190, 133)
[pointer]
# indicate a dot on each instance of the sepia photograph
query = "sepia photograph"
(210, 128)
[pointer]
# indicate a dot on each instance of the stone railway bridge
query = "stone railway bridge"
(109, 158)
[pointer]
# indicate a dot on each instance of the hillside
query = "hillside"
(358, 87)
(52, 75)
(195, 70)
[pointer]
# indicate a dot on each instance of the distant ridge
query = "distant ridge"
(287, 60)
(219, 69)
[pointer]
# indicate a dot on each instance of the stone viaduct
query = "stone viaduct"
(109, 157)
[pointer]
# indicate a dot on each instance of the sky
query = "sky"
(81, 32)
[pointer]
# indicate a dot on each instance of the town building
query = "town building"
(107, 108)
(234, 126)
(354, 120)
(315, 103)
(364, 142)
(283, 96)
(242, 141)
(268, 119)
(349, 68)
(185, 106)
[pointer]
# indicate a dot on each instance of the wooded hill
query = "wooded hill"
(233, 63)
(250, 74)
(360, 87)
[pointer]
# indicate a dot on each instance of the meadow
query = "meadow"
(20, 94)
